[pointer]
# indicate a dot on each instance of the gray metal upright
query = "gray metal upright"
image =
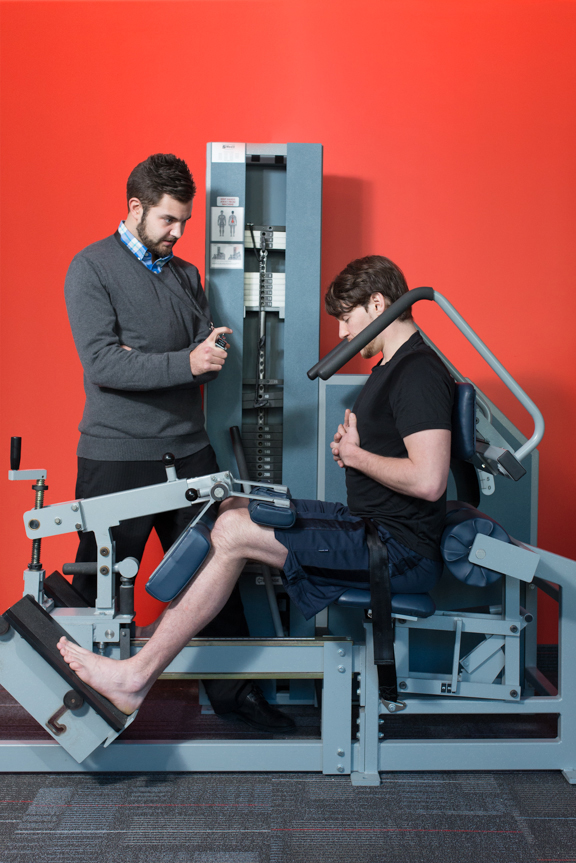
(277, 187)
(302, 325)
(225, 290)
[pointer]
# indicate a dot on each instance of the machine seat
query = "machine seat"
(410, 604)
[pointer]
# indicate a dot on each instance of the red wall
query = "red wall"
(449, 138)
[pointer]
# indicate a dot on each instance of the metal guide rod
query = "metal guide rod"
(343, 352)
(238, 449)
(259, 395)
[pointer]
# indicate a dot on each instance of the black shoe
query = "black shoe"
(255, 711)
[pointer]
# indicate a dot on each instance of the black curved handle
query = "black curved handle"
(343, 352)
(15, 452)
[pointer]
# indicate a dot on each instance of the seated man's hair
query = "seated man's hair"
(159, 175)
(360, 279)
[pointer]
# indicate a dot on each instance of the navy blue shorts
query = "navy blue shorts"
(328, 553)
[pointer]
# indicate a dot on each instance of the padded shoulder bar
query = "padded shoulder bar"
(461, 526)
(268, 515)
(181, 562)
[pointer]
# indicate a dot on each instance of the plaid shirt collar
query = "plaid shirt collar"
(140, 251)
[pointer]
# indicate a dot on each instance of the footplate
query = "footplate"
(34, 673)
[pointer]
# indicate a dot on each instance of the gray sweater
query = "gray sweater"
(143, 402)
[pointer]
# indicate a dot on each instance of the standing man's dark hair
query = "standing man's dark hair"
(158, 175)
(362, 278)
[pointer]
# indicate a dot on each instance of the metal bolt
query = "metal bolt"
(104, 551)
(340, 753)
(513, 693)
(358, 721)
(403, 685)
(340, 768)
(380, 722)
(74, 507)
(532, 587)
(358, 691)
(380, 734)
(57, 521)
(34, 524)
(341, 669)
(341, 652)
(480, 554)
(109, 634)
(104, 570)
(78, 526)
(513, 628)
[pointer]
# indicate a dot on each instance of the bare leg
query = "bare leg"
(150, 628)
(125, 683)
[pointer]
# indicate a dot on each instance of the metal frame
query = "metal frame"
(335, 661)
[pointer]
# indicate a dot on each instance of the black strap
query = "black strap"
(381, 601)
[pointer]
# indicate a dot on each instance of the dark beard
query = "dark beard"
(153, 247)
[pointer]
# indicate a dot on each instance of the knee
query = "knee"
(230, 532)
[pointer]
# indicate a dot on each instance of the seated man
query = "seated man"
(395, 446)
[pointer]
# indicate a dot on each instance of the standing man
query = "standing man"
(395, 447)
(142, 327)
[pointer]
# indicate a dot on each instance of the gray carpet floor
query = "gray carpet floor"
(287, 818)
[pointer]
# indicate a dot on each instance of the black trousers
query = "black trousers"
(106, 477)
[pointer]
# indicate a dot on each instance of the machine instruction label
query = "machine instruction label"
(223, 151)
(226, 256)
(227, 224)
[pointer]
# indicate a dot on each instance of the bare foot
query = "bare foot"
(116, 679)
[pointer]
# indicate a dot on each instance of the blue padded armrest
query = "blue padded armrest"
(462, 523)
(180, 563)
(268, 515)
(464, 422)
(410, 604)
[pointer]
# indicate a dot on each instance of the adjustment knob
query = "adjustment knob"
(168, 458)
(73, 700)
(191, 494)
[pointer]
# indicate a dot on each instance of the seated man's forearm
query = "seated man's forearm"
(423, 473)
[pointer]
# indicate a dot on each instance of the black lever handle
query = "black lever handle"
(344, 351)
(80, 568)
(15, 452)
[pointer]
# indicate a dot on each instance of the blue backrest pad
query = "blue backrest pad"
(464, 422)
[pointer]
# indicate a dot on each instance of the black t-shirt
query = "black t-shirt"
(412, 392)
